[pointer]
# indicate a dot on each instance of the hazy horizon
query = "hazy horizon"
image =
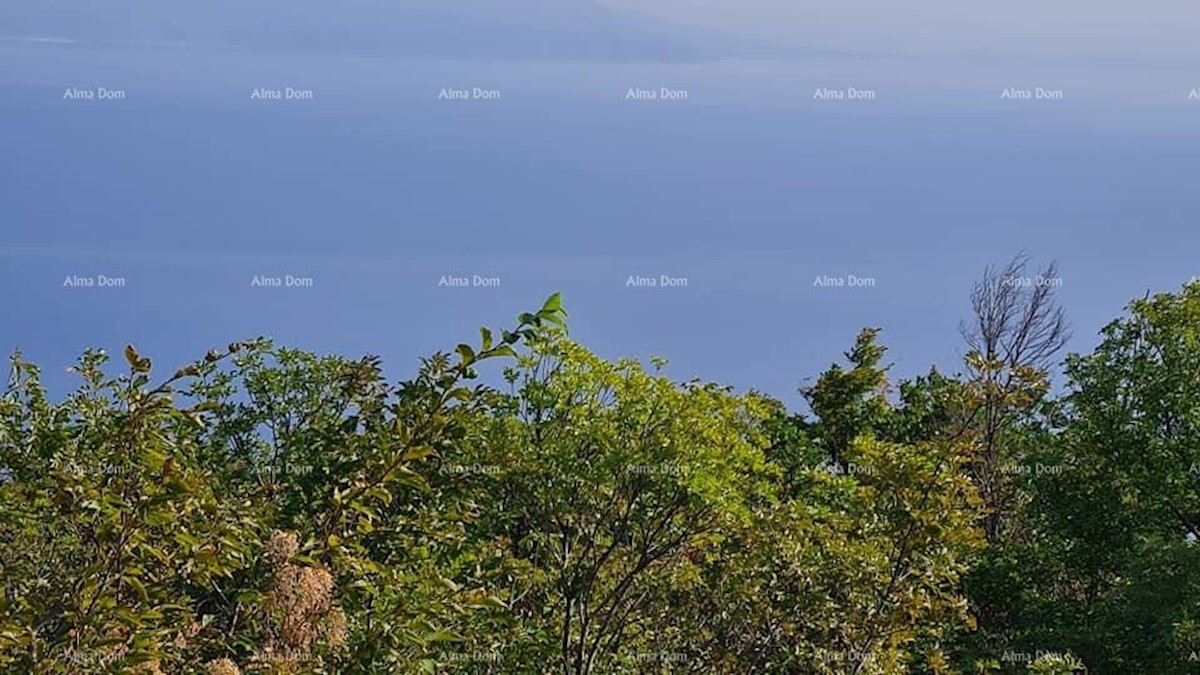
(751, 186)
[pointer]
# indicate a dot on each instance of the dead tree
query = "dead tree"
(1016, 332)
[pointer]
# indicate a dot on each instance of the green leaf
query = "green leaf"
(552, 317)
(128, 617)
(246, 598)
(132, 356)
(417, 453)
(186, 540)
(466, 354)
(156, 553)
(381, 494)
(137, 586)
(489, 602)
(504, 350)
(442, 636)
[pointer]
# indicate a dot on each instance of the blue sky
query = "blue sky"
(187, 187)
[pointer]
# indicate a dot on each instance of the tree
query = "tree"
(848, 403)
(259, 508)
(1122, 502)
(853, 564)
(110, 524)
(266, 510)
(1017, 330)
(611, 481)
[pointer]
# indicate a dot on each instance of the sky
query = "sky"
(1107, 29)
(369, 187)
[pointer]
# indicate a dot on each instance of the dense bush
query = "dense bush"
(270, 510)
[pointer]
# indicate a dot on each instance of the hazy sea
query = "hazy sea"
(739, 197)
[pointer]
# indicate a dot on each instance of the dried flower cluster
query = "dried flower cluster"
(280, 548)
(302, 607)
(335, 628)
(300, 599)
(148, 668)
(223, 667)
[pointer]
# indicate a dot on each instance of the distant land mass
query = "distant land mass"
(467, 29)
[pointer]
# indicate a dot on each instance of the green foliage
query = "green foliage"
(266, 509)
(1121, 504)
(603, 482)
(849, 403)
(855, 565)
(139, 519)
